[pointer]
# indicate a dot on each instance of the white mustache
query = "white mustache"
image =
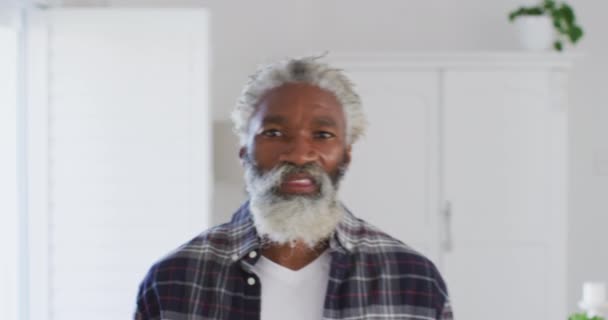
(271, 181)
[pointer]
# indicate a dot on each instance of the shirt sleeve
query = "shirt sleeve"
(147, 300)
(446, 312)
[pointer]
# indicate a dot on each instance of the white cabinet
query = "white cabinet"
(465, 160)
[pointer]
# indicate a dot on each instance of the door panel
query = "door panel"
(498, 181)
(393, 170)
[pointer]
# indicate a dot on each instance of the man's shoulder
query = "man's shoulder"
(217, 243)
(196, 264)
(370, 241)
(382, 256)
(211, 249)
(367, 238)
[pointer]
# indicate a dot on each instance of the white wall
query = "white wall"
(8, 10)
(588, 227)
(245, 33)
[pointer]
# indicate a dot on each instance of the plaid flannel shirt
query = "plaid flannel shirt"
(372, 276)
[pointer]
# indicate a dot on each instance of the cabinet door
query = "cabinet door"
(127, 154)
(394, 166)
(499, 176)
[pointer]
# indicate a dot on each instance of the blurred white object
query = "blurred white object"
(594, 299)
(594, 292)
(535, 33)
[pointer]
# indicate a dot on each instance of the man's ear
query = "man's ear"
(347, 154)
(242, 154)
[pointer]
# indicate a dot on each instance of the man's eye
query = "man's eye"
(324, 135)
(272, 133)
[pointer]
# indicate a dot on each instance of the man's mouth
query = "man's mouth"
(299, 184)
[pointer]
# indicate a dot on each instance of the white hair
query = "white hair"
(306, 70)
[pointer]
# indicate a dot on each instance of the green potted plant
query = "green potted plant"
(547, 22)
(582, 316)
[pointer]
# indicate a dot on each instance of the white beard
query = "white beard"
(285, 220)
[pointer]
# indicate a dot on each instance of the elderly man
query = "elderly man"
(293, 251)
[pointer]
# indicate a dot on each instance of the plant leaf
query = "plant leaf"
(526, 11)
(567, 13)
(576, 34)
(558, 45)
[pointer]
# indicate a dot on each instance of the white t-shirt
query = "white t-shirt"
(294, 295)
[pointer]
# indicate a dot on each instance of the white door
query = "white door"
(393, 175)
(127, 167)
(10, 174)
(506, 260)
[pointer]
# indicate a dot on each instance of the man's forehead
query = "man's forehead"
(318, 120)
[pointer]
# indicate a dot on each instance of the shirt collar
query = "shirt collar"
(246, 238)
(347, 231)
(244, 235)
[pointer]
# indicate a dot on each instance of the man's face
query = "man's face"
(303, 127)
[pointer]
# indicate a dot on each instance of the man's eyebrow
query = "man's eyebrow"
(273, 119)
(325, 122)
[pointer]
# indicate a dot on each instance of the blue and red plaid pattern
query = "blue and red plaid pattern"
(372, 276)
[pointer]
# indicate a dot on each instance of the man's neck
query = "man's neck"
(293, 257)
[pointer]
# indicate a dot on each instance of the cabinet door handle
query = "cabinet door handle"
(448, 244)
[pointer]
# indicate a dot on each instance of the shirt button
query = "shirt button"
(235, 257)
(251, 281)
(253, 254)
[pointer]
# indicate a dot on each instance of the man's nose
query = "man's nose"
(299, 151)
